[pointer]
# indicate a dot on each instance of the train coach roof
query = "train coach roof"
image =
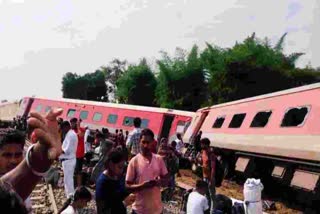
(265, 96)
(123, 106)
(9, 103)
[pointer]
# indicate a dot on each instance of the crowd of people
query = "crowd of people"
(125, 169)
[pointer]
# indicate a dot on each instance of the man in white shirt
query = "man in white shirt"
(197, 202)
(68, 157)
(180, 145)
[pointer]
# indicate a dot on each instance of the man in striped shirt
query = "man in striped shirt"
(133, 141)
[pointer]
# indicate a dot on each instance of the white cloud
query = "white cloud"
(41, 40)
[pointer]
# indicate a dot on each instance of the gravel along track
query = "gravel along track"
(43, 203)
(232, 190)
(42, 199)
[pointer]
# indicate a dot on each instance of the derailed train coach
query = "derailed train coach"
(97, 115)
(275, 137)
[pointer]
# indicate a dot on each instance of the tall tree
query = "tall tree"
(90, 86)
(247, 69)
(137, 85)
(181, 81)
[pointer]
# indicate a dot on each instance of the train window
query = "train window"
(219, 122)
(237, 120)
(71, 112)
(186, 126)
(84, 115)
(180, 126)
(39, 108)
(294, 117)
(128, 121)
(112, 118)
(48, 108)
(97, 116)
(261, 119)
(144, 123)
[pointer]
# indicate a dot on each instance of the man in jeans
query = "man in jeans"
(208, 171)
(146, 173)
(68, 157)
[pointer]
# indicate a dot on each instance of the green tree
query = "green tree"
(90, 86)
(181, 81)
(247, 69)
(137, 85)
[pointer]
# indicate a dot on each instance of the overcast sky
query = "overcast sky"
(40, 40)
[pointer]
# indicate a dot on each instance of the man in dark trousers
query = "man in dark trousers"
(208, 159)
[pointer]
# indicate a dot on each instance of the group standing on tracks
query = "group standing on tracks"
(134, 171)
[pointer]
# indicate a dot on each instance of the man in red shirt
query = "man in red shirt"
(75, 124)
(208, 170)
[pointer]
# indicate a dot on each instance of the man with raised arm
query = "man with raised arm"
(23, 178)
(12, 143)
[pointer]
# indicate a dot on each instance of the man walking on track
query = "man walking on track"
(68, 157)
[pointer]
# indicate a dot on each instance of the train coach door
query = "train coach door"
(199, 123)
(166, 126)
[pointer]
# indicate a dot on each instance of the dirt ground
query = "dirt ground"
(233, 190)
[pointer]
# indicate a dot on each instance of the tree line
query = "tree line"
(196, 78)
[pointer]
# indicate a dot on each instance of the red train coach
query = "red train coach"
(163, 122)
(274, 136)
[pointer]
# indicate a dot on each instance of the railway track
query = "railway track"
(43, 200)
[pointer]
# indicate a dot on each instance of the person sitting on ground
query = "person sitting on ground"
(80, 200)
(197, 202)
(110, 187)
(146, 173)
(21, 180)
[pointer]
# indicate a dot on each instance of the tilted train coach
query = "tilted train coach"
(163, 122)
(274, 136)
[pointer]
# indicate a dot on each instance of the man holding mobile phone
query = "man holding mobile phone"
(145, 175)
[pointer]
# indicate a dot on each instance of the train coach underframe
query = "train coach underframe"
(295, 180)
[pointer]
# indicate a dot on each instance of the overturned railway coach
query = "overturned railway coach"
(274, 136)
(97, 115)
